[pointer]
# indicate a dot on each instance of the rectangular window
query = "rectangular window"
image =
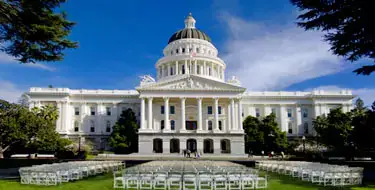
(210, 125)
(290, 128)
(305, 113)
(92, 129)
(162, 110)
(171, 109)
(209, 110)
(183, 50)
(108, 110)
(197, 50)
(162, 124)
(92, 110)
(171, 71)
(219, 110)
(306, 128)
(198, 70)
(76, 126)
(257, 112)
(76, 111)
(289, 112)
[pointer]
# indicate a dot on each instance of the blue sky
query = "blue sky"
(120, 40)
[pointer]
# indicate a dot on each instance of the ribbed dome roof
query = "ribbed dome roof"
(189, 33)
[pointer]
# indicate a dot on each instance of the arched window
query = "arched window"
(172, 125)
(183, 69)
(210, 125)
(76, 126)
(306, 128)
(108, 127)
(171, 71)
(183, 50)
(92, 126)
(176, 51)
(162, 124)
(220, 126)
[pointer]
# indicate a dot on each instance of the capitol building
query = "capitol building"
(191, 103)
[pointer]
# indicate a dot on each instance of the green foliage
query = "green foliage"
(263, 134)
(334, 129)
(31, 31)
(348, 26)
(34, 130)
(364, 128)
(124, 137)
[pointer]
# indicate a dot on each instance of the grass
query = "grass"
(105, 182)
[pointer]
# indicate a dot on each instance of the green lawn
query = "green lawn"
(106, 183)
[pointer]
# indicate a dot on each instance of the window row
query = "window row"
(172, 110)
(92, 126)
(190, 50)
(305, 112)
(93, 111)
(211, 71)
(190, 125)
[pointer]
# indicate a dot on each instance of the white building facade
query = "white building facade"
(188, 106)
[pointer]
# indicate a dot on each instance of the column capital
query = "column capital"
(199, 98)
(216, 98)
(166, 98)
(150, 98)
(182, 98)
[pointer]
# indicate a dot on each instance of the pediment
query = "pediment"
(192, 82)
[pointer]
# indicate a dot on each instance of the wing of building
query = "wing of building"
(188, 106)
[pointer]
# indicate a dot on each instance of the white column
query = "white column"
(240, 128)
(216, 116)
(195, 67)
(233, 127)
(229, 125)
(186, 68)
(183, 121)
(298, 119)
(98, 124)
(162, 71)
(58, 122)
(267, 110)
(204, 70)
(166, 114)
(282, 118)
(169, 70)
(199, 101)
(316, 111)
(143, 123)
(176, 71)
(150, 117)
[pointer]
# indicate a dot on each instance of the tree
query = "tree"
(348, 25)
(334, 129)
(263, 134)
(124, 137)
(31, 31)
(363, 133)
(33, 130)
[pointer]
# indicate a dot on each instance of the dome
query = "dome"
(189, 31)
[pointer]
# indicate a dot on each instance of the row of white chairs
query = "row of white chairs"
(189, 175)
(57, 173)
(314, 172)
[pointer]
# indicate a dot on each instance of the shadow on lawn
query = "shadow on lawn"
(287, 180)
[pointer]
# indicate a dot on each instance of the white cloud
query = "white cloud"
(6, 59)
(9, 91)
(366, 94)
(272, 57)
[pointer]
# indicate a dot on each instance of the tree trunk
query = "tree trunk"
(1, 152)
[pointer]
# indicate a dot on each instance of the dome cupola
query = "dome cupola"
(189, 31)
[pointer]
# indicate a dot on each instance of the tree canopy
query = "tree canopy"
(124, 137)
(33, 130)
(263, 134)
(348, 25)
(31, 30)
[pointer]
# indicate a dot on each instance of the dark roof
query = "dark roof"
(189, 33)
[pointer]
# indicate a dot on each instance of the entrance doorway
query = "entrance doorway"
(191, 144)
(158, 145)
(208, 146)
(175, 146)
(225, 146)
(191, 125)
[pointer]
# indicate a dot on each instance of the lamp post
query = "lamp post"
(303, 141)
